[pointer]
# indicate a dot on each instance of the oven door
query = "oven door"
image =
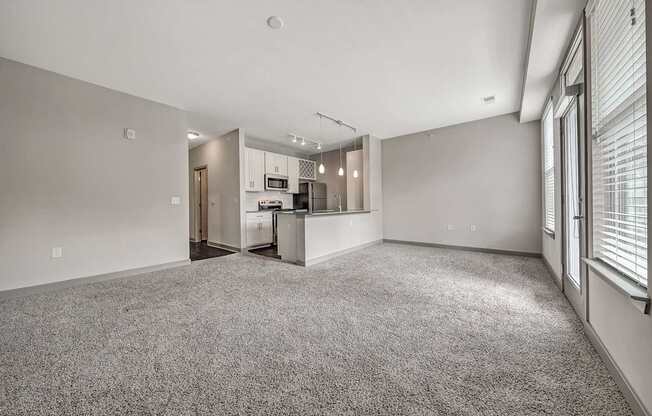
(276, 183)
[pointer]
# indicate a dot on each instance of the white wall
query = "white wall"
(69, 179)
(221, 157)
(484, 173)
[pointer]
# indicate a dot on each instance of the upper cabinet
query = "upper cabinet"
(259, 163)
(276, 164)
(293, 175)
(255, 170)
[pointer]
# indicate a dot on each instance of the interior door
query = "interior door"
(573, 204)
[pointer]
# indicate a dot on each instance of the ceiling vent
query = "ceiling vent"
(489, 100)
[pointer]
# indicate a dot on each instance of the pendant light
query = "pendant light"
(355, 171)
(340, 172)
(322, 168)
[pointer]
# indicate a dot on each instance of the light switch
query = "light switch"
(57, 252)
(175, 200)
(450, 227)
(473, 228)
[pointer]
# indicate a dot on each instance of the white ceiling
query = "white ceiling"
(553, 26)
(390, 68)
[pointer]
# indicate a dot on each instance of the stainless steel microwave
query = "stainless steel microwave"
(276, 183)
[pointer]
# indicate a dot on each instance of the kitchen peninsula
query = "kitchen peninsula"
(310, 238)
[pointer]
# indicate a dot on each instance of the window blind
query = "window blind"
(548, 169)
(619, 136)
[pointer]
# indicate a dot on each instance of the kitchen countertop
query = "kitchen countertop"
(325, 213)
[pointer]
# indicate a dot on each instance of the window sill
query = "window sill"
(549, 233)
(637, 294)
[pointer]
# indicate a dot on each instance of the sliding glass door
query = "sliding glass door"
(573, 200)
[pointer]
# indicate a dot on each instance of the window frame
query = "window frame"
(548, 112)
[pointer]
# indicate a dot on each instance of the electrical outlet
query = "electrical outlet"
(130, 134)
(57, 252)
(175, 200)
(450, 227)
(473, 228)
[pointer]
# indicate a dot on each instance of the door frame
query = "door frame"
(196, 203)
(574, 294)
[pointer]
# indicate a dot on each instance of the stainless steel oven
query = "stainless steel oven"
(276, 183)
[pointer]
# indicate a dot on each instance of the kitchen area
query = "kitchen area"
(307, 204)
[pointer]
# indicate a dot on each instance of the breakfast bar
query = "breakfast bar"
(310, 238)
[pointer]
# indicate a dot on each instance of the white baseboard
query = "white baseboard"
(223, 246)
(47, 287)
(630, 395)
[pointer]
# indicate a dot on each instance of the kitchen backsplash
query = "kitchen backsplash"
(252, 199)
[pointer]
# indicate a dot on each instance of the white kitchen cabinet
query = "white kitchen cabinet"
(293, 175)
(276, 164)
(255, 170)
(259, 228)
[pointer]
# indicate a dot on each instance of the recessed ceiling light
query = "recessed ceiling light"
(192, 135)
(275, 22)
(489, 99)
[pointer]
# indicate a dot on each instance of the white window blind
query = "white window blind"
(619, 135)
(548, 169)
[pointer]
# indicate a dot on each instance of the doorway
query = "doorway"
(200, 248)
(201, 204)
(573, 204)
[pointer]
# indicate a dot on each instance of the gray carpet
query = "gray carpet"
(389, 330)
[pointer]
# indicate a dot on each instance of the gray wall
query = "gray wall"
(221, 157)
(69, 179)
(484, 173)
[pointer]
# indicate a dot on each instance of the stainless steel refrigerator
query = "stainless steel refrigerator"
(311, 196)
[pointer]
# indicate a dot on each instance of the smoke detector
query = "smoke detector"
(275, 22)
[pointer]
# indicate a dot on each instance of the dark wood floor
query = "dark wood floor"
(269, 251)
(201, 251)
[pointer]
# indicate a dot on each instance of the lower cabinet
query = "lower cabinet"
(259, 228)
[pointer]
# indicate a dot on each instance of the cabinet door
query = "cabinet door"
(258, 171)
(276, 164)
(253, 233)
(282, 165)
(254, 170)
(270, 163)
(249, 166)
(293, 175)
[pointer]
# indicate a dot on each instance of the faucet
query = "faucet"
(338, 196)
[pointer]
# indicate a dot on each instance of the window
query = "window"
(619, 136)
(548, 169)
